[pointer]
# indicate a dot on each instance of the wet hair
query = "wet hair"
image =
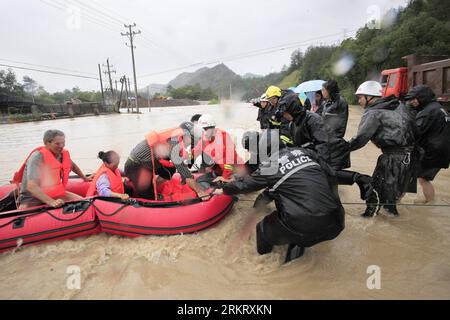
(332, 88)
(49, 135)
(106, 156)
(195, 117)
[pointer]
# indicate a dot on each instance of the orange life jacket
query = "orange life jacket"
(164, 136)
(54, 174)
(114, 177)
(217, 150)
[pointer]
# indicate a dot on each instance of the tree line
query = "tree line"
(194, 92)
(30, 90)
(422, 27)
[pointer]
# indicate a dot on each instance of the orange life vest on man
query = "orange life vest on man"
(115, 181)
(225, 158)
(163, 136)
(54, 174)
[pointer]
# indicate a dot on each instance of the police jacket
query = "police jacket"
(302, 192)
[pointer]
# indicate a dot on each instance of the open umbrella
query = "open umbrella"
(307, 90)
(309, 86)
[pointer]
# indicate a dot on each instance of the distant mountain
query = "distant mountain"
(216, 78)
(251, 75)
(152, 89)
(219, 78)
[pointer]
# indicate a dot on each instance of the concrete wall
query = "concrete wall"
(68, 109)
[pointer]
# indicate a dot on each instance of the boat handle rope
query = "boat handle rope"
(379, 204)
(50, 214)
(135, 203)
(91, 202)
(71, 219)
(113, 213)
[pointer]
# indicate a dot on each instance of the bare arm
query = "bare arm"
(194, 185)
(37, 192)
(79, 173)
(122, 196)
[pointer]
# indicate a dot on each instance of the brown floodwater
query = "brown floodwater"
(411, 251)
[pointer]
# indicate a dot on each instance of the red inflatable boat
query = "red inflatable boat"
(135, 217)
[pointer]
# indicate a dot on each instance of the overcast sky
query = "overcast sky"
(78, 34)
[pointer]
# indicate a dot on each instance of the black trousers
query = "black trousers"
(274, 232)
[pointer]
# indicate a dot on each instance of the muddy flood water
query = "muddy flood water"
(411, 251)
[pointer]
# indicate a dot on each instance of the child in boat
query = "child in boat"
(107, 181)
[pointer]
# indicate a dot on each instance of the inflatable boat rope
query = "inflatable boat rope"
(32, 213)
(76, 206)
(138, 204)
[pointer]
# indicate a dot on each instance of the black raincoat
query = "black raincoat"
(308, 209)
(433, 124)
(264, 117)
(390, 127)
(289, 102)
(335, 117)
(308, 131)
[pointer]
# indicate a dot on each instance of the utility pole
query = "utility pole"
(129, 90)
(101, 83)
(148, 97)
(126, 91)
(122, 80)
(108, 72)
(130, 34)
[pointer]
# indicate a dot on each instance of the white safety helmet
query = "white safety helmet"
(264, 98)
(370, 88)
(206, 121)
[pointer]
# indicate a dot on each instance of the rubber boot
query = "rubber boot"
(294, 252)
(262, 246)
(372, 205)
(391, 208)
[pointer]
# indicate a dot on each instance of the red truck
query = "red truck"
(433, 71)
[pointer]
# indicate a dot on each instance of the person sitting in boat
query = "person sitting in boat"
(309, 210)
(218, 145)
(44, 175)
(156, 159)
(108, 181)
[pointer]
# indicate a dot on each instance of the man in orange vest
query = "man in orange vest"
(156, 159)
(219, 146)
(44, 175)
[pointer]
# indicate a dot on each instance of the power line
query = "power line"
(61, 7)
(44, 66)
(95, 16)
(50, 72)
(106, 22)
(92, 9)
(107, 18)
(89, 17)
(246, 54)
